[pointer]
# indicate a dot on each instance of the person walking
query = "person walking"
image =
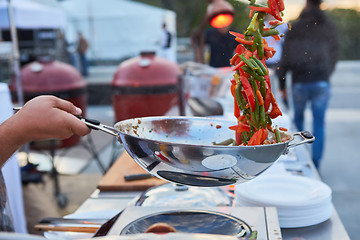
(82, 47)
(310, 53)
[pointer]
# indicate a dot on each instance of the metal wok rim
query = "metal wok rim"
(121, 132)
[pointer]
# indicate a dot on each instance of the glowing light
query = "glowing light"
(221, 20)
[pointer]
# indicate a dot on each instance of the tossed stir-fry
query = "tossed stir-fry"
(255, 104)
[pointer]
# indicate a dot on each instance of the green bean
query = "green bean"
(239, 99)
(224, 143)
(262, 116)
(259, 44)
(252, 25)
(257, 69)
(245, 137)
(247, 62)
(256, 111)
(252, 73)
(271, 32)
(261, 65)
(261, 22)
(253, 235)
(277, 135)
(263, 89)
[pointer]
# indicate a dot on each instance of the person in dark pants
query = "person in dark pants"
(82, 47)
(310, 53)
(222, 46)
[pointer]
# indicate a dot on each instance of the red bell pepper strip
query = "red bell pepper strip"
(240, 49)
(267, 48)
(274, 22)
(259, 137)
(248, 92)
(251, 13)
(275, 110)
(265, 135)
(273, 5)
(276, 37)
(233, 127)
(242, 127)
(238, 136)
(283, 129)
(236, 109)
(243, 41)
(281, 5)
(239, 65)
(238, 35)
(232, 87)
(260, 98)
(267, 101)
(234, 59)
(239, 129)
(261, 9)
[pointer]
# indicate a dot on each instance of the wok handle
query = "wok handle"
(307, 138)
(96, 125)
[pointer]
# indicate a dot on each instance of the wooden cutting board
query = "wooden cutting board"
(114, 180)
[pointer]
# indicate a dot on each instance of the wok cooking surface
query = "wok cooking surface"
(232, 221)
(182, 150)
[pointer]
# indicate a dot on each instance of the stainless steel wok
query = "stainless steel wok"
(181, 149)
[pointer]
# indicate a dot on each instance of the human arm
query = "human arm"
(43, 117)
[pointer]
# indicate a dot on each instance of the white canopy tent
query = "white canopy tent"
(118, 29)
(32, 15)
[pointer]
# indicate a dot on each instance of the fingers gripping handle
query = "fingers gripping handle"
(96, 125)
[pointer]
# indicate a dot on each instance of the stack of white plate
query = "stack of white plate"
(300, 201)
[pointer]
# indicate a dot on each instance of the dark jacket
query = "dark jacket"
(310, 49)
(222, 47)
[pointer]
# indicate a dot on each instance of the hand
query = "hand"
(47, 117)
(43, 117)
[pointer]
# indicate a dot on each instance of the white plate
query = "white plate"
(300, 201)
(284, 191)
(316, 217)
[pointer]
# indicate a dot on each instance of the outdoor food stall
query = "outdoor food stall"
(248, 177)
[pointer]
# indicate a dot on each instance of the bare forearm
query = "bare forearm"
(9, 141)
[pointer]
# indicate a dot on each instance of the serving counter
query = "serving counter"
(114, 194)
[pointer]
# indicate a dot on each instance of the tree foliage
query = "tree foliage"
(347, 23)
(190, 14)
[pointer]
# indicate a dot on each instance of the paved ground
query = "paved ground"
(341, 161)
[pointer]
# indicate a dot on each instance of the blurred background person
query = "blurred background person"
(221, 46)
(310, 53)
(166, 44)
(82, 47)
(274, 62)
